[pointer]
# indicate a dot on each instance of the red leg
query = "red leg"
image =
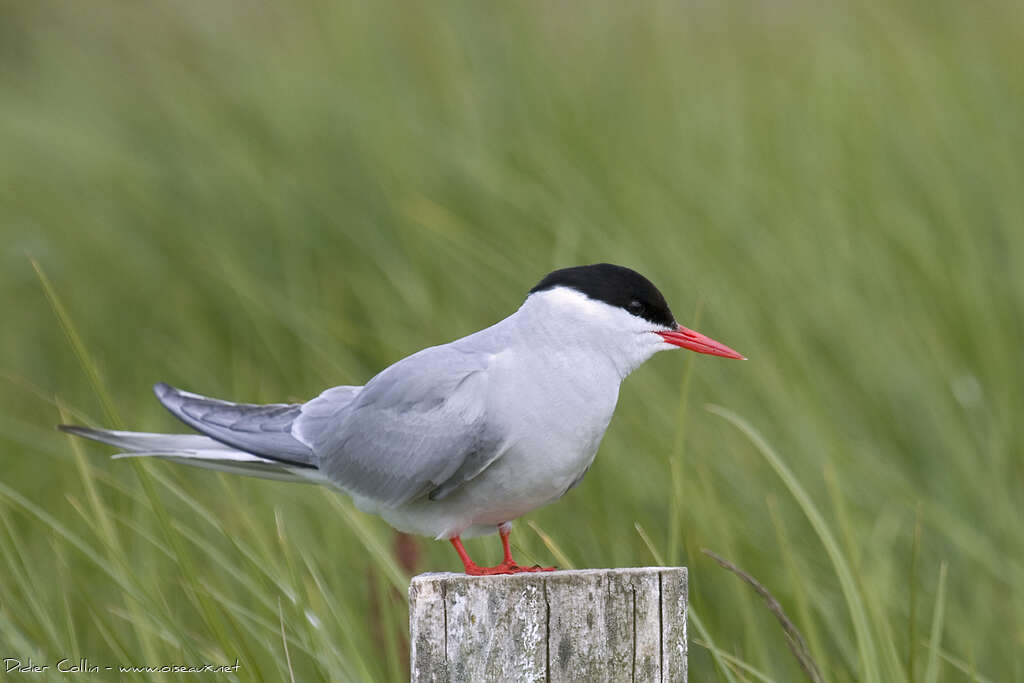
(472, 568)
(503, 531)
(508, 565)
(463, 555)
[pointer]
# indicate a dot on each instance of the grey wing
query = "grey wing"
(418, 428)
(261, 429)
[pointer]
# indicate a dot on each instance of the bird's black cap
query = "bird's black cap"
(615, 286)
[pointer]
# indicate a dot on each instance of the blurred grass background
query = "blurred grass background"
(257, 200)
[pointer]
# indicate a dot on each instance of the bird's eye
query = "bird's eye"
(635, 307)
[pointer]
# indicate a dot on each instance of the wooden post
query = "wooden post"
(581, 625)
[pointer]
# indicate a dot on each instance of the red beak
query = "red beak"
(695, 341)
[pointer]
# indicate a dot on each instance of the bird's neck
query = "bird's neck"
(574, 348)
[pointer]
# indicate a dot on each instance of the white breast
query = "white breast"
(554, 413)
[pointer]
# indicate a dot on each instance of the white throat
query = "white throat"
(563, 318)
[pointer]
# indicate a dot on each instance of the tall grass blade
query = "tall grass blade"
(795, 639)
(561, 559)
(966, 668)
(108, 533)
(356, 521)
(915, 554)
(709, 643)
(931, 670)
(90, 367)
(284, 642)
(69, 536)
(91, 370)
(854, 601)
(658, 559)
(799, 586)
(342, 618)
(733, 661)
(889, 658)
(18, 641)
(23, 580)
(66, 590)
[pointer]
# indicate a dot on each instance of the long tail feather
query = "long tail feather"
(198, 451)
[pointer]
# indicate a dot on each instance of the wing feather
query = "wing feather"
(265, 430)
(418, 427)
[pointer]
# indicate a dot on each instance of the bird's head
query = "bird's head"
(615, 310)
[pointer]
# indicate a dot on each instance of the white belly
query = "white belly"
(547, 451)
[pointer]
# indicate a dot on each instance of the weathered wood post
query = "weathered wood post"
(579, 625)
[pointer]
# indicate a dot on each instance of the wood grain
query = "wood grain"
(581, 625)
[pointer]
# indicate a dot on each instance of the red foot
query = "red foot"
(507, 567)
(504, 568)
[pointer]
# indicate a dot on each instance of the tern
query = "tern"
(456, 440)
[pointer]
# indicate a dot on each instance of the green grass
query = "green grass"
(258, 201)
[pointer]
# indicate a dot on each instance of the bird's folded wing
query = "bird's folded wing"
(418, 428)
(260, 429)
